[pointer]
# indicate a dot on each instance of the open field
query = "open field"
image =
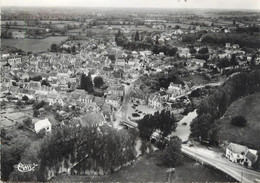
(248, 107)
(146, 170)
(196, 79)
(33, 45)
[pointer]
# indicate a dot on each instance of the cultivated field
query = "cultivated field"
(33, 45)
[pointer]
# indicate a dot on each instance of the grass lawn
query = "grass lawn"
(146, 170)
(248, 107)
(33, 45)
(196, 79)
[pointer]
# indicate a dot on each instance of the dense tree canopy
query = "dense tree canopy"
(172, 155)
(98, 81)
(206, 125)
(86, 83)
(163, 121)
(251, 41)
(54, 48)
(105, 149)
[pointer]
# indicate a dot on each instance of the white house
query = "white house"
(42, 124)
(14, 60)
(241, 154)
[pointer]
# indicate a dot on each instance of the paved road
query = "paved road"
(121, 115)
(235, 170)
(126, 100)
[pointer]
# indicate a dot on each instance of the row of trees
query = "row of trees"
(244, 40)
(6, 34)
(206, 125)
(105, 150)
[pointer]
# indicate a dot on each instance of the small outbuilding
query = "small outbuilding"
(42, 124)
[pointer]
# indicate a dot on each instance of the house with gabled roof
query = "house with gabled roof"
(241, 154)
(42, 124)
(115, 89)
(114, 100)
(86, 98)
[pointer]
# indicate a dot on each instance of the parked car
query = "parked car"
(190, 144)
(135, 115)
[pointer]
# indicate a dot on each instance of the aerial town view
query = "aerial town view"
(130, 91)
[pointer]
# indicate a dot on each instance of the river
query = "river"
(183, 131)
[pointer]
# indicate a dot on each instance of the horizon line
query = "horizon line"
(130, 7)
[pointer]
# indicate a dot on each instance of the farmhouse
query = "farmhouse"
(241, 154)
(42, 124)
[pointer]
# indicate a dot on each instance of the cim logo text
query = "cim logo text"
(26, 167)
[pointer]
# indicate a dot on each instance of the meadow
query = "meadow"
(33, 45)
(146, 169)
(249, 135)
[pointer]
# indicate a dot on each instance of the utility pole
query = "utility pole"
(242, 173)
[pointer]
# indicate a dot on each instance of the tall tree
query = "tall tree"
(86, 83)
(98, 81)
(172, 155)
(54, 48)
(137, 38)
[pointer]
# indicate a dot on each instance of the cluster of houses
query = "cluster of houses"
(162, 99)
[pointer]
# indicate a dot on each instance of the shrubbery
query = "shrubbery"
(239, 121)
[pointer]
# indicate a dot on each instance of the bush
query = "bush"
(20, 126)
(172, 155)
(27, 122)
(41, 134)
(195, 93)
(36, 113)
(25, 98)
(239, 121)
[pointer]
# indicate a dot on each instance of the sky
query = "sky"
(219, 4)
